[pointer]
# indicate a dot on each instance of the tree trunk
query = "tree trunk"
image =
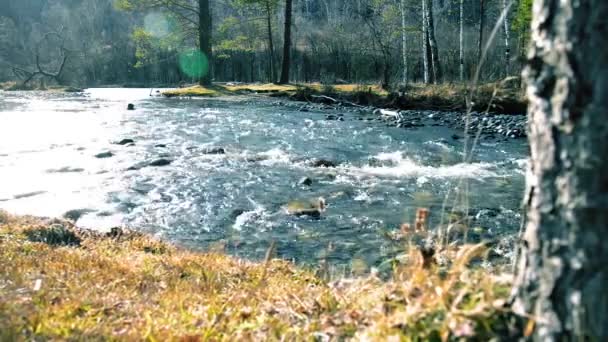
(204, 36)
(461, 38)
(403, 43)
(270, 42)
(562, 274)
(430, 29)
(482, 16)
(286, 44)
(425, 44)
(505, 9)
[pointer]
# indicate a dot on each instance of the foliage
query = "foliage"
(127, 286)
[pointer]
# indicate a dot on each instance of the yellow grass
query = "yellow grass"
(57, 282)
(194, 91)
(268, 87)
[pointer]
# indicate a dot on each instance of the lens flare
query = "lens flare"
(193, 63)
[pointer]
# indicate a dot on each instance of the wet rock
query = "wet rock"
(214, 150)
(310, 209)
(124, 142)
(76, 214)
(323, 163)
(331, 117)
(456, 137)
(66, 169)
(160, 145)
(103, 155)
(130, 106)
(305, 181)
(160, 162)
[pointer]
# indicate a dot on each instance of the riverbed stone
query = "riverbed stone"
(160, 162)
(323, 163)
(124, 141)
(104, 155)
(305, 181)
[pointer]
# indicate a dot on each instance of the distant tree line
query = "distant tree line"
(142, 41)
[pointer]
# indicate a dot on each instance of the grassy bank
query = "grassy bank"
(500, 97)
(57, 282)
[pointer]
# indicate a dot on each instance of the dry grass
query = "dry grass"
(126, 286)
(194, 91)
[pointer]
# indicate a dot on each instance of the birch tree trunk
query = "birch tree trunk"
(505, 9)
(561, 273)
(425, 44)
(403, 42)
(461, 38)
(432, 43)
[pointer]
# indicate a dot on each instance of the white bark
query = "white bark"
(505, 8)
(425, 44)
(403, 43)
(461, 38)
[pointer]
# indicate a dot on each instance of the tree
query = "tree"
(562, 274)
(196, 16)
(506, 29)
(482, 15)
(461, 41)
(269, 7)
(286, 44)
(403, 43)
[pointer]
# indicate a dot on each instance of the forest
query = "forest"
(303, 170)
(389, 42)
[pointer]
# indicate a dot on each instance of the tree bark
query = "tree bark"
(403, 43)
(482, 15)
(507, 35)
(461, 38)
(286, 44)
(204, 33)
(425, 44)
(562, 275)
(270, 42)
(430, 27)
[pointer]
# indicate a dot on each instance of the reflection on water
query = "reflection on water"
(58, 153)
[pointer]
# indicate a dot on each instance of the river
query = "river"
(58, 153)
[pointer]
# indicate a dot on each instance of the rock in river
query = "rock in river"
(124, 142)
(214, 150)
(313, 209)
(160, 162)
(305, 181)
(323, 163)
(106, 154)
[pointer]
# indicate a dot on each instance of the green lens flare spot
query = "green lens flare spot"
(194, 63)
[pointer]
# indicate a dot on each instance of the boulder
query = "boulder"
(214, 150)
(160, 162)
(305, 181)
(312, 209)
(130, 106)
(323, 163)
(124, 142)
(103, 155)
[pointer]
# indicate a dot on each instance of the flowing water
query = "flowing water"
(237, 200)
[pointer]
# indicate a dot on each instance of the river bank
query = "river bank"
(59, 282)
